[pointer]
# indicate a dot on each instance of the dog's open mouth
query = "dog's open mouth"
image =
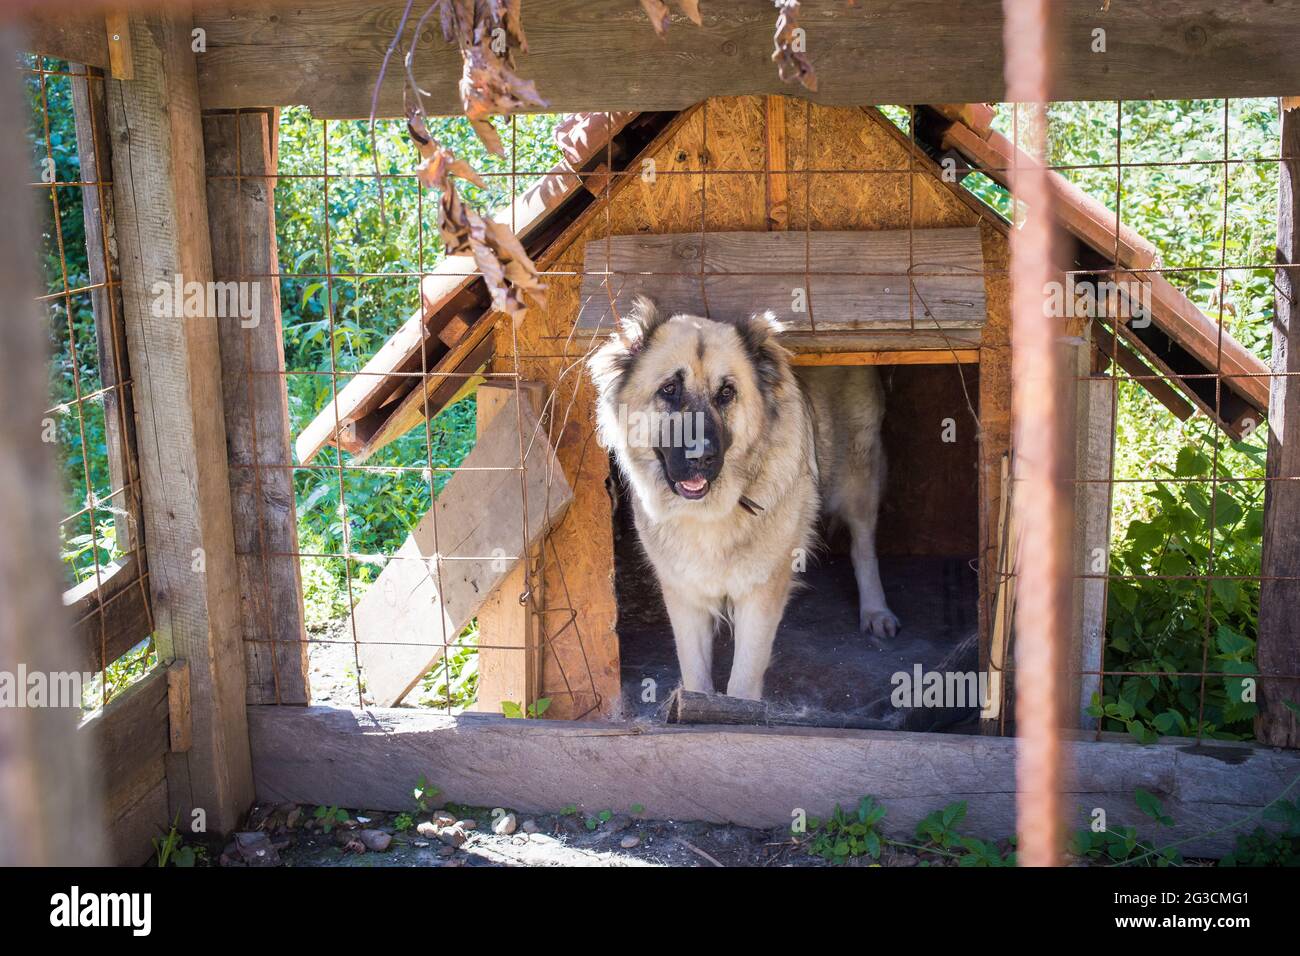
(693, 488)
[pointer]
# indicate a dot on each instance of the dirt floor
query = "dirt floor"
(288, 835)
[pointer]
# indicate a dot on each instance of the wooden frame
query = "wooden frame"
(241, 156)
(159, 195)
(587, 54)
(752, 776)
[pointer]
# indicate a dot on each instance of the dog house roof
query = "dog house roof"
(449, 333)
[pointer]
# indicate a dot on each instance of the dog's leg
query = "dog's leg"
(874, 615)
(693, 634)
(757, 616)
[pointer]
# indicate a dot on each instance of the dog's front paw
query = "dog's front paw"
(878, 622)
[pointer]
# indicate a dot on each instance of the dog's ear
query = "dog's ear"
(758, 335)
(608, 364)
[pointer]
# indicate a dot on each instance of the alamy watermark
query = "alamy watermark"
(662, 430)
(23, 688)
(1128, 300)
(946, 689)
(208, 300)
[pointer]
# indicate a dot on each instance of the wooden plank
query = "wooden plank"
(1278, 650)
(778, 162)
(162, 229)
(464, 548)
(112, 618)
(131, 834)
(508, 656)
(121, 62)
(90, 114)
(241, 226)
(181, 735)
(1160, 389)
(77, 38)
(920, 357)
(128, 738)
(749, 776)
(598, 53)
(430, 396)
(1094, 451)
(44, 778)
(848, 280)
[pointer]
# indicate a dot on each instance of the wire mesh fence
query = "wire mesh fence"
(731, 180)
(90, 419)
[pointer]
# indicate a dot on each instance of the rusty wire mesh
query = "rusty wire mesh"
(90, 378)
(557, 613)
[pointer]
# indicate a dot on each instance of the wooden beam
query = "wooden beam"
(900, 357)
(753, 777)
(162, 232)
(77, 38)
(599, 54)
(241, 154)
(1160, 389)
(778, 164)
(121, 62)
(461, 550)
(1278, 650)
(90, 114)
(44, 778)
(509, 659)
(822, 280)
(111, 615)
(1094, 424)
(129, 740)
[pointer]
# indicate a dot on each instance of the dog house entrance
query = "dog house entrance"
(822, 667)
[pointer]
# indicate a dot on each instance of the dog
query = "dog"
(731, 456)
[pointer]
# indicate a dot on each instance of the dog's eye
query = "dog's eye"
(726, 394)
(668, 389)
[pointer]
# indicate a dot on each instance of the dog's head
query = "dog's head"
(684, 401)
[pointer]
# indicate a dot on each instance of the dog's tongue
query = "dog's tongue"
(694, 484)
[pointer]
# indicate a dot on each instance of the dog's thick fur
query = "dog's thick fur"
(773, 450)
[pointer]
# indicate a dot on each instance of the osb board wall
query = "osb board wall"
(708, 174)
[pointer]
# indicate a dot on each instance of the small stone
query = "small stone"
(629, 841)
(255, 849)
(293, 817)
(467, 824)
(427, 829)
(421, 844)
(452, 836)
(504, 825)
(443, 819)
(530, 826)
(377, 841)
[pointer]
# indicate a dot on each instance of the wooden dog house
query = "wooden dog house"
(749, 203)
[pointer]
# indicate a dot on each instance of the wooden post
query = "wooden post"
(1278, 650)
(162, 230)
(44, 784)
(240, 150)
(1094, 423)
(509, 667)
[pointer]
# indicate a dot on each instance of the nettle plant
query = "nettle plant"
(1203, 607)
